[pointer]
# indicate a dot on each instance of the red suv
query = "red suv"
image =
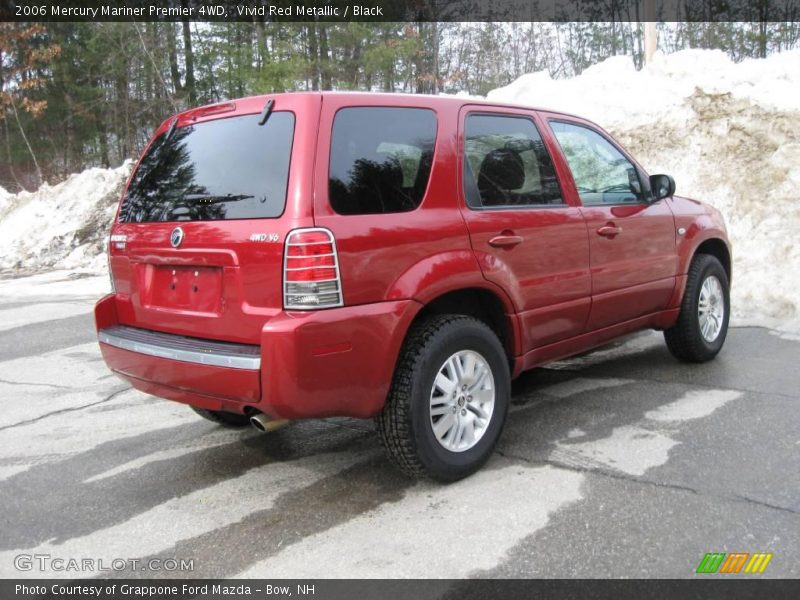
(395, 256)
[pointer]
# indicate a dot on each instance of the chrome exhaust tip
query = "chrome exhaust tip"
(264, 424)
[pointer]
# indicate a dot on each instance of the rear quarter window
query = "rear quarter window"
(381, 159)
(217, 170)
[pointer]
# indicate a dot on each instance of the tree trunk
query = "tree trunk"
(435, 57)
(10, 160)
(388, 74)
(149, 66)
(650, 31)
(313, 55)
(762, 35)
(324, 56)
(172, 49)
(261, 36)
(123, 102)
(355, 65)
(102, 132)
(189, 84)
(27, 143)
(419, 61)
(242, 62)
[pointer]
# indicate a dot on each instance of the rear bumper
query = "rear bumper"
(308, 364)
(182, 349)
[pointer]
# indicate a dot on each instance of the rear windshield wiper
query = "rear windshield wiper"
(212, 199)
(171, 128)
(267, 111)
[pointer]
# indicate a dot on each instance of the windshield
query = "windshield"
(223, 169)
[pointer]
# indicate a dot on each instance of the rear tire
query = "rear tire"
(448, 400)
(702, 325)
(226, 419)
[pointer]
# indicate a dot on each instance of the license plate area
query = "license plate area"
(184, 288)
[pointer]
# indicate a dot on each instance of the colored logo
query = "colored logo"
(734, 562)
(176, 237)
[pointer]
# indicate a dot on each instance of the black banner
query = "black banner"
(380, 589)
(399, 10)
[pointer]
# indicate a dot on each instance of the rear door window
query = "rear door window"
(217, 170)
(507, 164)
(381, 159)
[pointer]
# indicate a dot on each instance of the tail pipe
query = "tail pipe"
(264, 424)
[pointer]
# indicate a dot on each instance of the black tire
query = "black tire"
(226, 419)
(405, 425)
(685, 339)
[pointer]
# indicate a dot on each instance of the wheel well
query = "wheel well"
(480, 304)
(717, 248)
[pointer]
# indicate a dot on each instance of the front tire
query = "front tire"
(226, 419)
(702, 324)
(448, 400)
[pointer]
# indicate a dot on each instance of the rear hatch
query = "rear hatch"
(197, 247)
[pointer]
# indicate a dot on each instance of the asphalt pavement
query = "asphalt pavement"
(619, 463)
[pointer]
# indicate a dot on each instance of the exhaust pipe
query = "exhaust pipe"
(264, 424)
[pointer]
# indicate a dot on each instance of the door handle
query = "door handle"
(505, 241)
(609, 231)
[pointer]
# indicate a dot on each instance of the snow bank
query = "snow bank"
(730, 135)
(616, 95)
(60, 226)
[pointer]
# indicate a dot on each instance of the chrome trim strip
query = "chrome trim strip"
(213, 359)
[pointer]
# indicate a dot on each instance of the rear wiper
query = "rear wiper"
(212, 199)
(171, 128)
(267, 111)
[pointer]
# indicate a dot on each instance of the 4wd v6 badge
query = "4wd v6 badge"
(265, 237)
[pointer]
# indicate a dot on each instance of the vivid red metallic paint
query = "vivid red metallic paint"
(563, 288)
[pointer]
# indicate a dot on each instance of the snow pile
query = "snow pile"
(730, 135)
(61, 226)
(615, 94)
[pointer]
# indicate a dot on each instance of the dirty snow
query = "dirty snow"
(60, 226)
(730, 135)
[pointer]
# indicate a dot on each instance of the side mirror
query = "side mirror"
(662, 186)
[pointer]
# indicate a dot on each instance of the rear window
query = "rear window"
(213, 171)
(380, 159)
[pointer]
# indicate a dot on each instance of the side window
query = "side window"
(506, 163)
(380, 159)
(602, 173)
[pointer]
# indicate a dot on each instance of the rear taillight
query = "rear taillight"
(108, 264)
(118, 241)
(311, 277)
